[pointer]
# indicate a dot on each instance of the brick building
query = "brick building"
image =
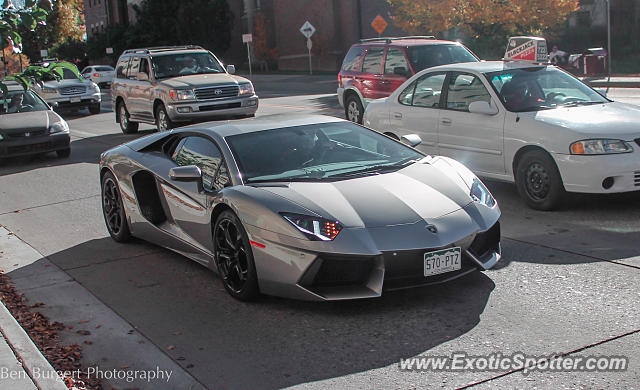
(98, 14)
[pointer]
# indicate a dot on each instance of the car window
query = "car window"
(67, 74)
(204, 154)
(464, 89)
(428, 90)
(121, 68)
(175, 65)
(104, 69)
(86, 70)
(144, 66)
(351, 59)
(133, 68)
(426, 56)
(372, 62)
(396, 63)
(406, 97)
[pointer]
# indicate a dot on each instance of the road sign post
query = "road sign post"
(307, 30)
(248, 38)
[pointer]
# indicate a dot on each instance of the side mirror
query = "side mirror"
(400, 71)
(86, 75)
(231, 69)
(185, 173)
(142, 76)
(482, 107)
(413, 139)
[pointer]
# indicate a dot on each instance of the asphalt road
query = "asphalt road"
(568, 280)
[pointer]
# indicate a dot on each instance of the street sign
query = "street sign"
(307, 29)
(109, 50)
(44, 53)
(246, 38)
(379, 24)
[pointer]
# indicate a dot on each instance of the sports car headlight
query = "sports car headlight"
(245, 89)
(600, 146)
(479, 193)
(59, 127)
(182, 94)
(314, 228)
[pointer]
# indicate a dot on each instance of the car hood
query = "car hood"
(202, 80)
(418, 192)
(611, 120)
(66, 83)
(27, 121)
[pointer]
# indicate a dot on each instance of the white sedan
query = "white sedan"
(531, 124)
(99, 74)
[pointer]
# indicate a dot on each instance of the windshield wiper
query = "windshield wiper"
(579, 103)
(376, 169)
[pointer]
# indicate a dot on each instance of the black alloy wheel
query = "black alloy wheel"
(234, 257)
(113, 209)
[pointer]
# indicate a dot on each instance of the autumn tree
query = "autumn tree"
(481, 18)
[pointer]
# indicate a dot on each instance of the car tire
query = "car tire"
(234, 257)
(126, 125)
(539, 182)
(163, 122)
(113, 209)
(353, 109)
(63, 153)
(94, 109)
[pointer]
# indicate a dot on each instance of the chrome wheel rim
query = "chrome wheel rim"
(112, 206)
(162, 121)
(231, 255)
(538, 183)
(124, 118)
(353, 113)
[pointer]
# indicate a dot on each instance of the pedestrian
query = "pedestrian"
(558, 56)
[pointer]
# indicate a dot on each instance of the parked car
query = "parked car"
(29, 126)
(297, 218)
(70, 93)
(99, 74)
(374, 68)
(532, 124)
(166, 86)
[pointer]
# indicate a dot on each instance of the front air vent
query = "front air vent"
(636, 178)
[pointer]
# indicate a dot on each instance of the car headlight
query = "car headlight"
(59, 127)
(600, 146)
(1, 137)
(315, 228)
(182, 94)
(479, 193)
(245, 89)
(94, 87)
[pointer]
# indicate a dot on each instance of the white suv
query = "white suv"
(70, 93)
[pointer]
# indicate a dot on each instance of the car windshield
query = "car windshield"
(541, 88)
(327, 151)
(426, 56)
(174, 65)
(21, 101)
(67, 74)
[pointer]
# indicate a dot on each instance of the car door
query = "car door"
(189, 202)
(133, 91)
(370, 77)
(474, 139)
(417, 110)
(396, 70)
(145, 90)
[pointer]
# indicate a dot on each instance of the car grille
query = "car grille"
(636, 178)
(34, 133)
(217, 92)
(75, 90)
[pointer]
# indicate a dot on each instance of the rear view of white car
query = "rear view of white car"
(99, 74)
(532, 124)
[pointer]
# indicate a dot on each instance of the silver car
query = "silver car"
(306, 207)
(167, 86)
(70, 93)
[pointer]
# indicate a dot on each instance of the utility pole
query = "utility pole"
(609, 57)
(248, 9)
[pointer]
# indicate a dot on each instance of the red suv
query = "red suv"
(374, 68)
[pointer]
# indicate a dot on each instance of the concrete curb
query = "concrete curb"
(34, 363)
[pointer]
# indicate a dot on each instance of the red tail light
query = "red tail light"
(339, 80)
(96, 75)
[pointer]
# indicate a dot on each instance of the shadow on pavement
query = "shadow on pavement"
(273, 342)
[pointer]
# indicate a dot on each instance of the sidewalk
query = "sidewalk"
(614, 82)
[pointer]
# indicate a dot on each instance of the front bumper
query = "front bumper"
(20, 146)
(587, 173)
(341, 96)
(73, 101)
(208, 109)
(322, 276)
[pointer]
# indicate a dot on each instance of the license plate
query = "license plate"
(442, 261)
(75, 100)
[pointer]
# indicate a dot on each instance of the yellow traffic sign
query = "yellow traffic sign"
(379, 24)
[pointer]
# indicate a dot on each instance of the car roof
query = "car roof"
(406, 42)
(266, 122)
(487, 66)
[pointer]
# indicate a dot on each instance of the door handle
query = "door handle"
(445, 121)
(397, 115)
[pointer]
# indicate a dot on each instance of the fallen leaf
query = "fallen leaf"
(97, 326)
(171, 347)
(83, 322)
(88, 342)
(83, 332)
(177, 333)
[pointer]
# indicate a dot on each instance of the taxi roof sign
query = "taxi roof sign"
(532, 49)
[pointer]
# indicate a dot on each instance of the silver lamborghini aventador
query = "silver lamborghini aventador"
(306, 207)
